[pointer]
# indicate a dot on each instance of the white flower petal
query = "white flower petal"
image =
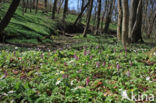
(10, 92)
(124, 94)
(16, 48)
(58, 82)
(147, 78)
(2, 77)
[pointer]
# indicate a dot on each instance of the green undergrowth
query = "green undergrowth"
(29, 25)
(32, 26)
(98, 70)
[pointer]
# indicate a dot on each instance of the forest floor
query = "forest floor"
(92, 69)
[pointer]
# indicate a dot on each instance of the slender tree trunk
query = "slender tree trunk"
(81, 13)
(136, 33)
(60, 5)
(119, 27)
(26, 7)
(146, 2)
(34, 4)
(54, 9)
(23, 7)
(88, 20)
(65, 10)
(82, 5)
(45, 5)
(95, 14)
(102, 20)
(134, 5)
(125, 22)
(5, 21)
(152, 24)
(108, 17)
(50, 6)
(98, 17)
(0, 10)
(104, 13)
(151, 18)
(30, 5)
(36, 7)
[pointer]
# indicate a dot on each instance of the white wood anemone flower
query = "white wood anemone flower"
(58, 82)
(124, 94)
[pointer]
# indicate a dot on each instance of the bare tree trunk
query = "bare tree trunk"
(119, 27)
(151, 18)
(115, 12)
(104, 13)
(65, 10)
(88, 20)
(36, 7)
(23, 6)
(60, 5)
(146, 2)
(54, 9)
(136, 33)
(125, 22)
(45, 5)
(5, 21)
(80, 15)
(50, 6)
(82, 5)
(34, 4)
(134, 5)
(26, 7)
(108, 17)
(0, 10)
(30, 5)
(95, 13)
(98, 17)
(152, 24)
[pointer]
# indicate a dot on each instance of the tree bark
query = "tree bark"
(151, 19)
(125, 22)
(23, 6)
(45, 5)
(108, 17)
(60, 5)
(119, 27)
(65, 10)
(136, 33)
(104, 13)
(98, 17)
(26, 6)
(82, 5)
(54, 9)
(36, 7)
(134, 6)
(81, 13)
(34, 4)
(30, 5)
(5, 21)
(94, 13)
(88, 20)
(145, 16)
